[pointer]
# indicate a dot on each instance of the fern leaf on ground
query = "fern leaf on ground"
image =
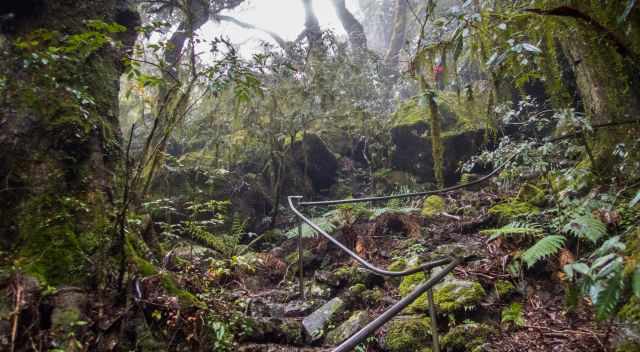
(545, 247)
(514, 228)
(586, 226)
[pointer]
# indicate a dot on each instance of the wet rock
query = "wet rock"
(351, 275)
(319, 290)
(311, 154)
(407, 333)
(412, 152)
(300, 308)
(69, 307)
(356, 322)
(145, 340)
(467, 337)
(273, 330)
(315, 323)
(259, 307)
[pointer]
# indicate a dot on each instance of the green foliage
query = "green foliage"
(603, 278)
(514, 228)
(433, 205)
(513, 314)
(586, 226)
(545, 247)
(514, 209)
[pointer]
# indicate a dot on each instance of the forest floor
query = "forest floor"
(542, 324)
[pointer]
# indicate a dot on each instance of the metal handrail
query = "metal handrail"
(366, 264)
(370, 328)
(409, 195)
(452, 262)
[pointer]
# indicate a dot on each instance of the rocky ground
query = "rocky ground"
(341, 297)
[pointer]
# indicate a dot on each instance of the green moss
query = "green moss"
(410, 282)
(433, 205)
(397, 265)
(504, 288)
(455, 295)
(467, 337)
(408, 334)
(631, 310)
(186, 298)
(58, 236)
(628, 346)
(449, 296)
(512, 209)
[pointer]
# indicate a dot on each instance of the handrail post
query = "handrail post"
(434, 323)
(300, 259)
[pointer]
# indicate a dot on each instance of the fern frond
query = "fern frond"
(324, 223)
(609, 297)
(513, 313)
(206, 238)
(514, 228)
(586, 226)
(545, 247)
(237, 227)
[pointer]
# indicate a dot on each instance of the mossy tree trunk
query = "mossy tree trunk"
(58, 153)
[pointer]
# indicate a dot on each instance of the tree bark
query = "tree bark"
(312, 27)
(352, 26)
(58, 156)
(392, 57)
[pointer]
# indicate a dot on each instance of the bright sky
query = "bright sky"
(284, 17)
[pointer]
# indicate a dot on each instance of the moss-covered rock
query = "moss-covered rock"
(628, 346)
(470, 337)
(408, 334)
(504, 288)
(349, 327)
(433, 205)
(450, 296)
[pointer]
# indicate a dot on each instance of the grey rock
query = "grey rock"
(299, 308)
(315, 323)
(356, 322)
(319, 290)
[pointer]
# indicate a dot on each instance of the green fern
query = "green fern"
(206, 238)
(609, 297)
(586, 226)
(513, 228)
(237, 227)
(513, 313)
(545, 247)
(325, 223)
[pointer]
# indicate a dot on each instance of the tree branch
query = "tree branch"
(283, 43)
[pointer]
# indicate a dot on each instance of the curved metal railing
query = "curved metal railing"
(450, 262)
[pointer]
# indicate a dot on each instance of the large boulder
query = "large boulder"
(313, 156)
(412, 151)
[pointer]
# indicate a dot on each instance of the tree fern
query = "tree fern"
(586, 226)
(545, 247)
(513, 228)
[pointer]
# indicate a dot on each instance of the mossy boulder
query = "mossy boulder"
(433, 205)
(349, 327)
(450, 296)
(352, 275)
(315, 324)
(469, 337)
(407, 334)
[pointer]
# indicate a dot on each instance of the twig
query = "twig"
(16, 315)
